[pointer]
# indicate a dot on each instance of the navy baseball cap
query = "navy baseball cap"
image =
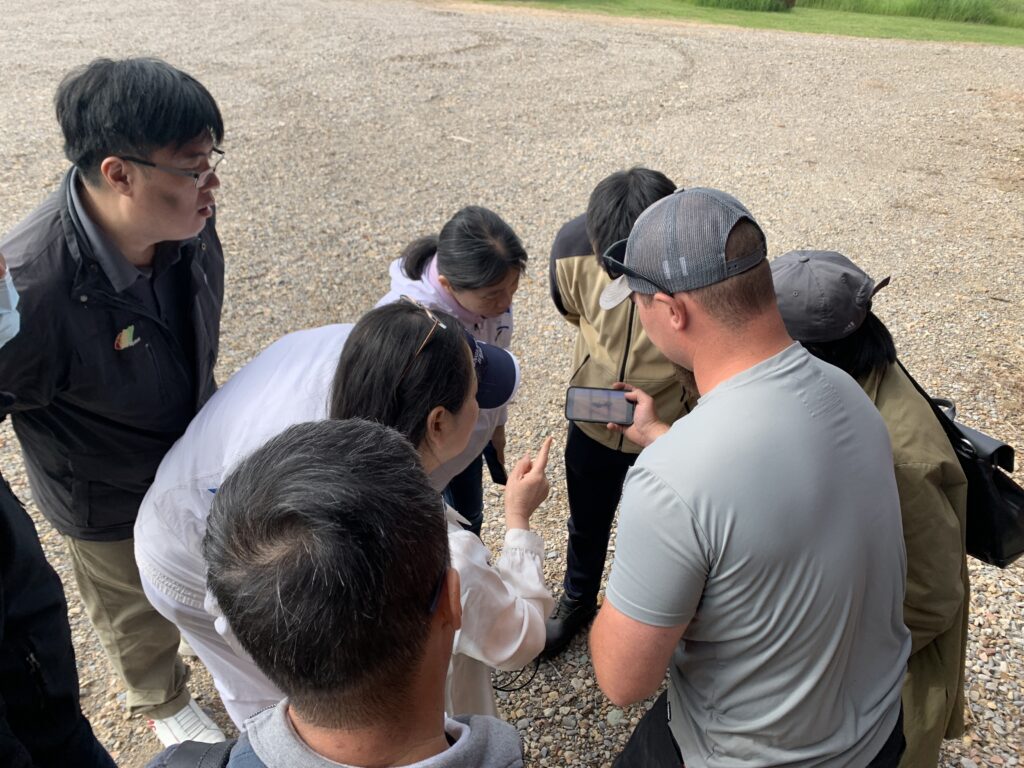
(497, 373)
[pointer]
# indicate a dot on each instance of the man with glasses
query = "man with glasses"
(120, 277)
(327, 550)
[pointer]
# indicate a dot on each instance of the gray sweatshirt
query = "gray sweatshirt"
(479, 742)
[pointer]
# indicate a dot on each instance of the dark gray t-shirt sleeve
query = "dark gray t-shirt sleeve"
(662, 557)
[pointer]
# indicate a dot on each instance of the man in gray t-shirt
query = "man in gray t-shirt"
(759, 554)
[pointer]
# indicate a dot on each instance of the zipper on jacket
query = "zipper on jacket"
(578, 369)
(45, 715)
(142, 310)
(625, 357)
(156, 367)
(629, 340)
(35, 670)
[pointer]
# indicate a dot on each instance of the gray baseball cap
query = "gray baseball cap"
(823, 296)
(678, 244)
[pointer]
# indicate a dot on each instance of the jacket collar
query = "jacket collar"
(872, 383)
(101, 250)
(448, 302)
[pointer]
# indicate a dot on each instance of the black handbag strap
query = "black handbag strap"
(948, 425)
(966, 441)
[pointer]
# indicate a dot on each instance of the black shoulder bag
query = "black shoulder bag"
(195, 754)
(995, 504)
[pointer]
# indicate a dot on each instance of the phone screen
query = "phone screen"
(599, 405)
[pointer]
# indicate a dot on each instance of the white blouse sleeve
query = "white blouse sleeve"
(504, 605)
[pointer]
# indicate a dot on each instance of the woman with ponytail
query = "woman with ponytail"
(470, 270)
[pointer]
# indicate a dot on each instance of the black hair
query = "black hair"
(131, 107)
(324, 549)
(617, 202)
(869, 348)
(380, 376)
(475, 249)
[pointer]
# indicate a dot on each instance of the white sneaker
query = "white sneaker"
(188, 724)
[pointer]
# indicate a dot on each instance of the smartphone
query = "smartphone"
(599, 405)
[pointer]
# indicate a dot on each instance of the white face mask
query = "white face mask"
(10, 320)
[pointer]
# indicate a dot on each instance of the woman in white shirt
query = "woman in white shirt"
(419, 376)
(503, 605)
(470, 270)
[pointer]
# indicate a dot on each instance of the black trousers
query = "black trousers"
(465, 494)
(41, 723)
(594, 475)
(651, 745)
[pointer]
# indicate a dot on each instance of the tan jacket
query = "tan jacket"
(933, 503)
(611, 345)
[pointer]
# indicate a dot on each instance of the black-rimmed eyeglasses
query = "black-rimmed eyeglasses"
(612, 259)
(200, 177)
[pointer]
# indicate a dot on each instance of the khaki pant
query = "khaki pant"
(243, 688)
(140, 643)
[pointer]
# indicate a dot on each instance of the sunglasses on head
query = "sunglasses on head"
(426, 339)
(613, 258)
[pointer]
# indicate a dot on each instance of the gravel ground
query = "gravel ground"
(355, 126)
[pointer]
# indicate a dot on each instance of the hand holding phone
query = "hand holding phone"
(602, 406)
(645, 428)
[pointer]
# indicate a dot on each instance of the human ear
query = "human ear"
(114, 172)
(678, 312)
(445, 283)
(437, 428)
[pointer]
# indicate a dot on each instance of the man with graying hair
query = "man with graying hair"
(327, 551)
(759, 554)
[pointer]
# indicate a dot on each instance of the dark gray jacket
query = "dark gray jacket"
(101, 385)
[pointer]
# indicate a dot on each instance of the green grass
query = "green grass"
(804, 19)
(770, 6)
(1008, 13)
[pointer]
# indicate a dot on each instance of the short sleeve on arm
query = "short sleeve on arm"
(662, 557)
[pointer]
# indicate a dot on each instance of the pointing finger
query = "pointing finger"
(542, 454)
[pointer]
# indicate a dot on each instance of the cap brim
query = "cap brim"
(497, 373)
(616, 292)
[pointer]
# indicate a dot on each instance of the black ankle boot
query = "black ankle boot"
(568, 618)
